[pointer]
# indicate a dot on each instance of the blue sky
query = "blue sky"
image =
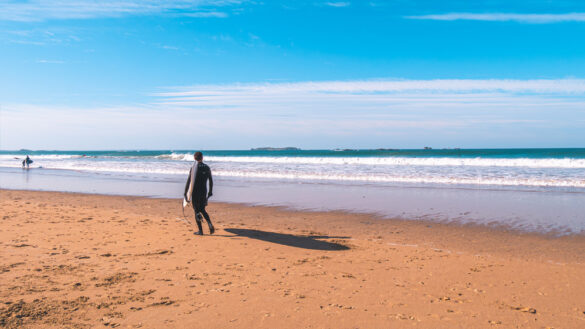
(315, 74)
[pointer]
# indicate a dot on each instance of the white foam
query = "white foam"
(406, 161)
(410, 179)
(569, 163)
(176, 156)
(452, 171)
(301, 173)
(41, 156)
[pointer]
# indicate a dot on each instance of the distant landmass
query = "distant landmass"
(276, 149)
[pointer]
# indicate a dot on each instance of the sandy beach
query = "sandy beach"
(91, 261)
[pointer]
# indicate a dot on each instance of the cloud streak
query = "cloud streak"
(318, 114)
(385, 100)
(40, 10)
(49, 61)
(563, 86)
(338, 4)
(505, 17)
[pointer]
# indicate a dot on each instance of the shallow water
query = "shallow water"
(534, 210)
(515, 169)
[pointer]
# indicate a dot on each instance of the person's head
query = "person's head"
(198, 156)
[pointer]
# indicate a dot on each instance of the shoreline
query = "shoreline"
(82, 260)
(544, 212)
(497, 228)
(459, 233)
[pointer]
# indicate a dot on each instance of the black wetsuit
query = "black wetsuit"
(200, 195)
(26, 162)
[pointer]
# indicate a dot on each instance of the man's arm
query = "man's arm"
(210, 185)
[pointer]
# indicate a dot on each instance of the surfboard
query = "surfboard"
(184, 205)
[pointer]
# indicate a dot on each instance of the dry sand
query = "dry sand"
(88, 261)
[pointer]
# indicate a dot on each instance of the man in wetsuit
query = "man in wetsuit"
(26, 162)
(199, 194)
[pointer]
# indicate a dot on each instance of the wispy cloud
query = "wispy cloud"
(217, 14)
(39, 36)
(558, 86)
(379, 104)
(384, 103)
(48, 61)
(338, 4)
(319, 114)
(503, 17)
(39, 10)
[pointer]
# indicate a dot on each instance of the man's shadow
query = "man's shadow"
(299, 241)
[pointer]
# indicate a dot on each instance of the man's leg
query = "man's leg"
(198, 219)
(206, 215)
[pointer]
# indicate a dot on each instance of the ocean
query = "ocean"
(527, 189)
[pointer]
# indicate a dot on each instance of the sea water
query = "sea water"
(528, 189)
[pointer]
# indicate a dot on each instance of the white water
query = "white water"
(395, 161)
(522, 172)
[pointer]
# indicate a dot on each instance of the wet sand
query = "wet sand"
(85, 261)
(523, 209)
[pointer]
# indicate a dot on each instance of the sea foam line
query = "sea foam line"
(404, 179)
(568, 163)
(420, 178)
(407, 161)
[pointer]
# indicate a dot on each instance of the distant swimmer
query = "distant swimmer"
(26, 162)
(196, 191)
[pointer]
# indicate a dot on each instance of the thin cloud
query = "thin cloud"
(217, 14)
(335, 99)
(505, 17)
(556, 86)
(338, 4)
(48, 61)
(331, 112)
(39, 36)
(40, 10)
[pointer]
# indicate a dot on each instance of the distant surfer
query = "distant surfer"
(196, 191)
(26, 162)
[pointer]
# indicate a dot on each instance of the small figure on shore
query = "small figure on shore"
(26, 162)
(196, 191)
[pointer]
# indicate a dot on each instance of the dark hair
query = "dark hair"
(198, 156)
